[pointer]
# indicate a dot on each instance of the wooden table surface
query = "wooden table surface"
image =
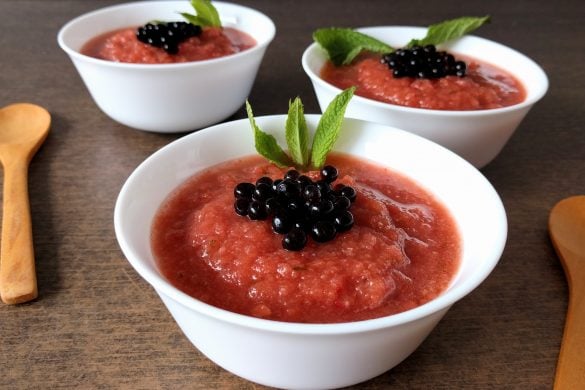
(97, 324)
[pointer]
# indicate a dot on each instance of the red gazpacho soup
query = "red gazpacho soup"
(484, 86)
(123, 46)
(403, 250)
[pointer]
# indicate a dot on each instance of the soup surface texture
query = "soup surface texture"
(123, 46)
(403, 250)
(483, 87)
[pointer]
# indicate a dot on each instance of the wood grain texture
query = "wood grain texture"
(567, 231)
(97, 324)
(23, 128)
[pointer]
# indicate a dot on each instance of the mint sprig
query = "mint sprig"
(266, 144)
(297, 134)
(328, 128)
(344, 44)
(450, 29)
(205, 14)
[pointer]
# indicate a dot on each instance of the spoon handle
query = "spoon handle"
(570, 372)
(18, 281)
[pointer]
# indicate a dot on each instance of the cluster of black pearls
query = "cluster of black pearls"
(167, 36)
(299, 207)
(423, 62)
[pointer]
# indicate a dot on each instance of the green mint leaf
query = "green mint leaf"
(449, 30)
(266, 144)
(297, 133)
(205, 14)
(343, 44)
(328, 128)
(207, 11)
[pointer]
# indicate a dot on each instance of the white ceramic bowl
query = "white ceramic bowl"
(477, 135)
(167, 97)
(305, 356)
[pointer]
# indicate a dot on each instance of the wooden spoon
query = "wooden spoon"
(567, 230)
(23, 128)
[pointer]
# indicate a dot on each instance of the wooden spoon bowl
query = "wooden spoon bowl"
(23, 128)
(567, 231)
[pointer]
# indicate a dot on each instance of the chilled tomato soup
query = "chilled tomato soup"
(403, 250)
(123, 46)
(483, 87)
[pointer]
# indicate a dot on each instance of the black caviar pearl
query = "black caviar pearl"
(460, 68)
(415, 63)
(288, 188)
(241, 206)
(321, 208)
(430, 49)
(435, 60)
(390, 59)
(282, 223)
(332, 196)
(343, 221)
(275, 183)
(265, 180)
(342, 203)
(311, 193)
(416, 51)
(324, 187)
(449, 59)
(304, 180)
(263, 191)
(323, 231)
(303, 222)
(294, 205)
(170, 48)
(437, 72)
(293, 174)
(294, 240)
(399, 73)
(349, 192)
(257, 210)
(272, 205)
(244, 190)
(329, 173)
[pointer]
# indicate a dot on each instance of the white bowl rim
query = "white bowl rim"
(260, 45)
(463, 113)
(161, 285)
